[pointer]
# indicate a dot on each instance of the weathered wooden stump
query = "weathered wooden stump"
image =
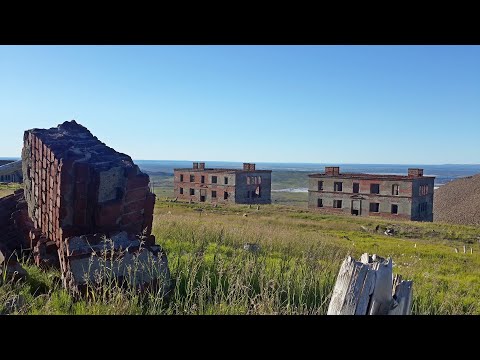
(368, 287)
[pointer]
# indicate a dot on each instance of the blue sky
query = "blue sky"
(316, 104)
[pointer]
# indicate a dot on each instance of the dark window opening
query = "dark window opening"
(422, 207)
(337, 186)
(225, 195)
(192, 178)
(337, 203)
(181, 191)
(226, 180)
(319, 202)
(214, 179)
(374, 188)
(395, 189)
(374, 207)
(248, 194)
(394, 209)
(203, 179)
(181, 177)
(257, 193)
(320, 185)
(356, 188)
(202, 198)
(192, 191)
(214, 194)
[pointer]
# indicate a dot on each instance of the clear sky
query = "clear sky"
(317, 104)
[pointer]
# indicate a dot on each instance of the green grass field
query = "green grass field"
(8, 189)
(293, 273)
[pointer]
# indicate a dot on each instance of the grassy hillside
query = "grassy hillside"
(8, 189)
(293, 273)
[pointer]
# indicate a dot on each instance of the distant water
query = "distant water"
(443, 173)
(292, 190)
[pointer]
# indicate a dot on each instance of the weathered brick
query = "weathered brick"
(134, 206)
(140, 181)
(136, 195)
(80, 218)
(133, 228)
(69, 170)
(133, 217)
(150, 204)
(82, 172)
(81, 190)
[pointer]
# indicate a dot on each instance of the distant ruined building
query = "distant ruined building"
(223, 186)
(11, 171)
(407, 197)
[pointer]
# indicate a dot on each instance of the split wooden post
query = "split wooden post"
(368, 287)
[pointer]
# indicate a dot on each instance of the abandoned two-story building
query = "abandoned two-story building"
(234, 186)
(11, 171)
(408, 197)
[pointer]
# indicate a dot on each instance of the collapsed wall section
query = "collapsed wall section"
(75, 185)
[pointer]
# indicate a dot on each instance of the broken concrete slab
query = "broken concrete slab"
(129, 260)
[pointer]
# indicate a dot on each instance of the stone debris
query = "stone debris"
(130, 261)
(10, 269)
(389, 232)
(251, 247)
(14, 304)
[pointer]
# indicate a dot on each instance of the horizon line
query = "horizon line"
(279, 162)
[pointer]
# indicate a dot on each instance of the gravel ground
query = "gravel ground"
(458, 202)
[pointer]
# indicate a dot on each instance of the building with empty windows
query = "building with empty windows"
(11, 171)
(408, 197)
(234, 186)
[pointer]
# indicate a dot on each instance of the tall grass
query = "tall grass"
(293, 272)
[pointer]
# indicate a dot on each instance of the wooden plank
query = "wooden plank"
(382, 293)
(365, 258)
(365, 287)
(403, 299)
(356, 285)
(341, 286)
(348, 288)
(365, 294)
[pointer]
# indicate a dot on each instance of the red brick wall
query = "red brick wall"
(63, 169)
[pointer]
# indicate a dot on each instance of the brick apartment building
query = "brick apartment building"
(408, 197)
(223, 186)
(11, 171)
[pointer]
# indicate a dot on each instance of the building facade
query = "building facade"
(223, 186)
(408, 197)
(11, 172)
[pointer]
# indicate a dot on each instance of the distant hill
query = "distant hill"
(458, 201)
(158, 173)
(5, 162)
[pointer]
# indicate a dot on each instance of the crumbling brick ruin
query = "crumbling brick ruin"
(80, 192)
(15, 226)
(223, 186)
(407, 197)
